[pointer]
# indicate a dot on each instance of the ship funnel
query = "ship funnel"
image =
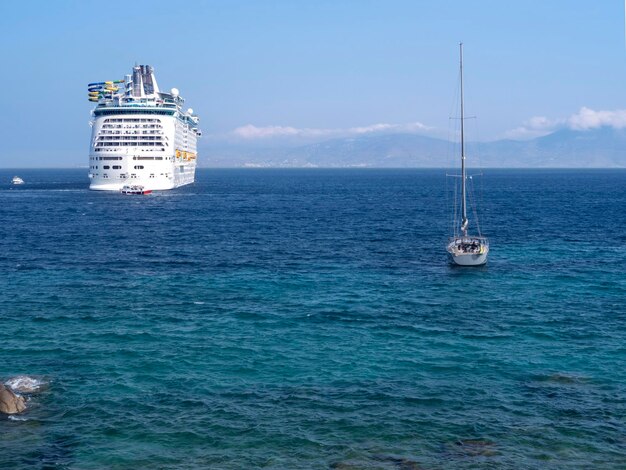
(137, 82)
(146, 75)
(129, 84)
(149, 82)
(155, 86)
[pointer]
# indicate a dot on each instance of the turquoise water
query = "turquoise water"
(309, 319)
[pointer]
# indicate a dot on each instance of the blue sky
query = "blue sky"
(255, 70)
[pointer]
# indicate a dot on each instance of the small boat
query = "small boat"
(17, 180)
(135, 189)
(465, 249)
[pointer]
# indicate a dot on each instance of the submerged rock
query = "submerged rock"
(25, 384)
(344, 466)
(476, 447)
(566, 379)
(398, 462)
(10, 403)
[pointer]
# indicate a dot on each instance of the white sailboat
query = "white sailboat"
(465, 249)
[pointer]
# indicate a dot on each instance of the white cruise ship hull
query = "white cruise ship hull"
(157, 151)
(181, 177)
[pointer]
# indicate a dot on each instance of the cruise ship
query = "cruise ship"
(140, 135)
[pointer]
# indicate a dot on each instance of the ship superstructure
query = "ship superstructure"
(140, 135)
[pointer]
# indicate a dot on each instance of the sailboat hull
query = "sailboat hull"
(468, 259)
(468, 250)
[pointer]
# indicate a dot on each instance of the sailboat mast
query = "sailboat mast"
(464, 221)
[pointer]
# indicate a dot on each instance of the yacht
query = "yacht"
(463, 248)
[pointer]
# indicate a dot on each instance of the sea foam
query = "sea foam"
(25, 384)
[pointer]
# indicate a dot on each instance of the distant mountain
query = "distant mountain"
(603, 147)
(385, 151)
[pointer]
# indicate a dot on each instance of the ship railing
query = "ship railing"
(469, 239)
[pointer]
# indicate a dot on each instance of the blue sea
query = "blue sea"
(309, 319)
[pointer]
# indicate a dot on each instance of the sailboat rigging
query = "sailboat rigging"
(465, 249)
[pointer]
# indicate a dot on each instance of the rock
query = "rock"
(406, 464)
(25, 384)
(399, 463)
(474, 442)
(476, 447)
(10, 403)
(566, 379)
(343, 466)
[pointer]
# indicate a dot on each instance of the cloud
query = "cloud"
(535, 127)
(411, 127)
(590, 119)
(250, 131)
(254, 132)
(542, 122)
(584, 119)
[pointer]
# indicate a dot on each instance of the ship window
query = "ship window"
(106, 167)
(116, 167)
(138, 167)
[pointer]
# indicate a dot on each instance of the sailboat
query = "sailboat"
(465, 249)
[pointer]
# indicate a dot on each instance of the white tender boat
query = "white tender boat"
(465, 249)
(17, 180)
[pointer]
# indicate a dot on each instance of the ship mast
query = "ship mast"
(464, 221)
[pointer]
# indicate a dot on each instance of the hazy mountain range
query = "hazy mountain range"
(602, 147)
